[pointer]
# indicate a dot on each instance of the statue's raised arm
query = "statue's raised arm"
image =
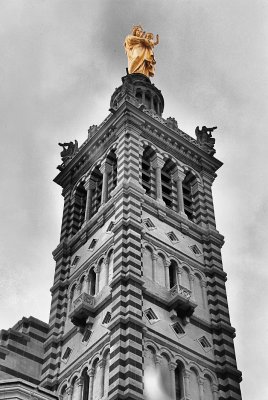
(139, 49)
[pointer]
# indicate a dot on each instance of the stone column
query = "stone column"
(192, 278)
(89, 186)
(167, 281)
(97, 271)
(154, 258)
(172, 367)
(91, 373)
(69, 392)
(79, 383)
(201, 388)
(204, 292)
(105, 169)
(158, 163)
(102, 367)
(178, 176)
(88, 284)
(186, 378)
(214, 387)
(78, 289)
(158, 360)
(106, 268)
(179, 272)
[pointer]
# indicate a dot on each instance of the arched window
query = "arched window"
(79, 208)
(173, 274)
(139, 95)
(194, 386)
(112, 176)
(187, 183)
(148, 100)
(148, 262)
(92, 282)
(96, 177)
(208, 393)
(148, 173)
(179, 381)
(85, 378)
(168, 187)
(64, 395)
(76, 393)
(110, 263)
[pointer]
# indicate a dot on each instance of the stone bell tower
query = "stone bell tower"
(139, 307)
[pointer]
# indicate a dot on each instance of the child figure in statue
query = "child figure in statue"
(150, 56)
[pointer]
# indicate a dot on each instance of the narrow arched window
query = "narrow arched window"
(110, 262)
(112, 176)
(198, 291)
(179, 387)
(189, 205)
(147, 172)
(208, 393)
(172, 274)
(79, 208)
(160, 270)
(106, 374)
(185, 281)
(96, 177)
(168, 186)
(92, 282)
(64, 395)
(85, 378)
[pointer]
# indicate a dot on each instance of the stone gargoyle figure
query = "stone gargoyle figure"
(205, 139)
(69, 150)
(139, 47)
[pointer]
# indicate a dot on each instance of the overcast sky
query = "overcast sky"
(61, 61)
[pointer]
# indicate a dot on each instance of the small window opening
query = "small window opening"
(107, 318)
(204, 343)
(172, 237)
(178, 329)
(87, 335)
(195, 249)
(110, 227)
(75, 260)
(150, 315)
(148, 223)
(67, 353)
(93, 244)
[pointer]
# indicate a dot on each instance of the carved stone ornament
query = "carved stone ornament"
(205, 139)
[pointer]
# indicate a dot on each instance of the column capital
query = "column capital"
(201, 381)
(172, 366)
(105, 167)
(97, 269)
(214, 387)
(157, 161)
(178, 174)
(186, 374)
(89, 184)
(191, 277)
(179, 269)
(102, 363)
(203, 283)
(167, 262)
(69, 390)
(154, 256)
(91, 372)
(158, 359)
(80, 381)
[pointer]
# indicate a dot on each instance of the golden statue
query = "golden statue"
(139, 49)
